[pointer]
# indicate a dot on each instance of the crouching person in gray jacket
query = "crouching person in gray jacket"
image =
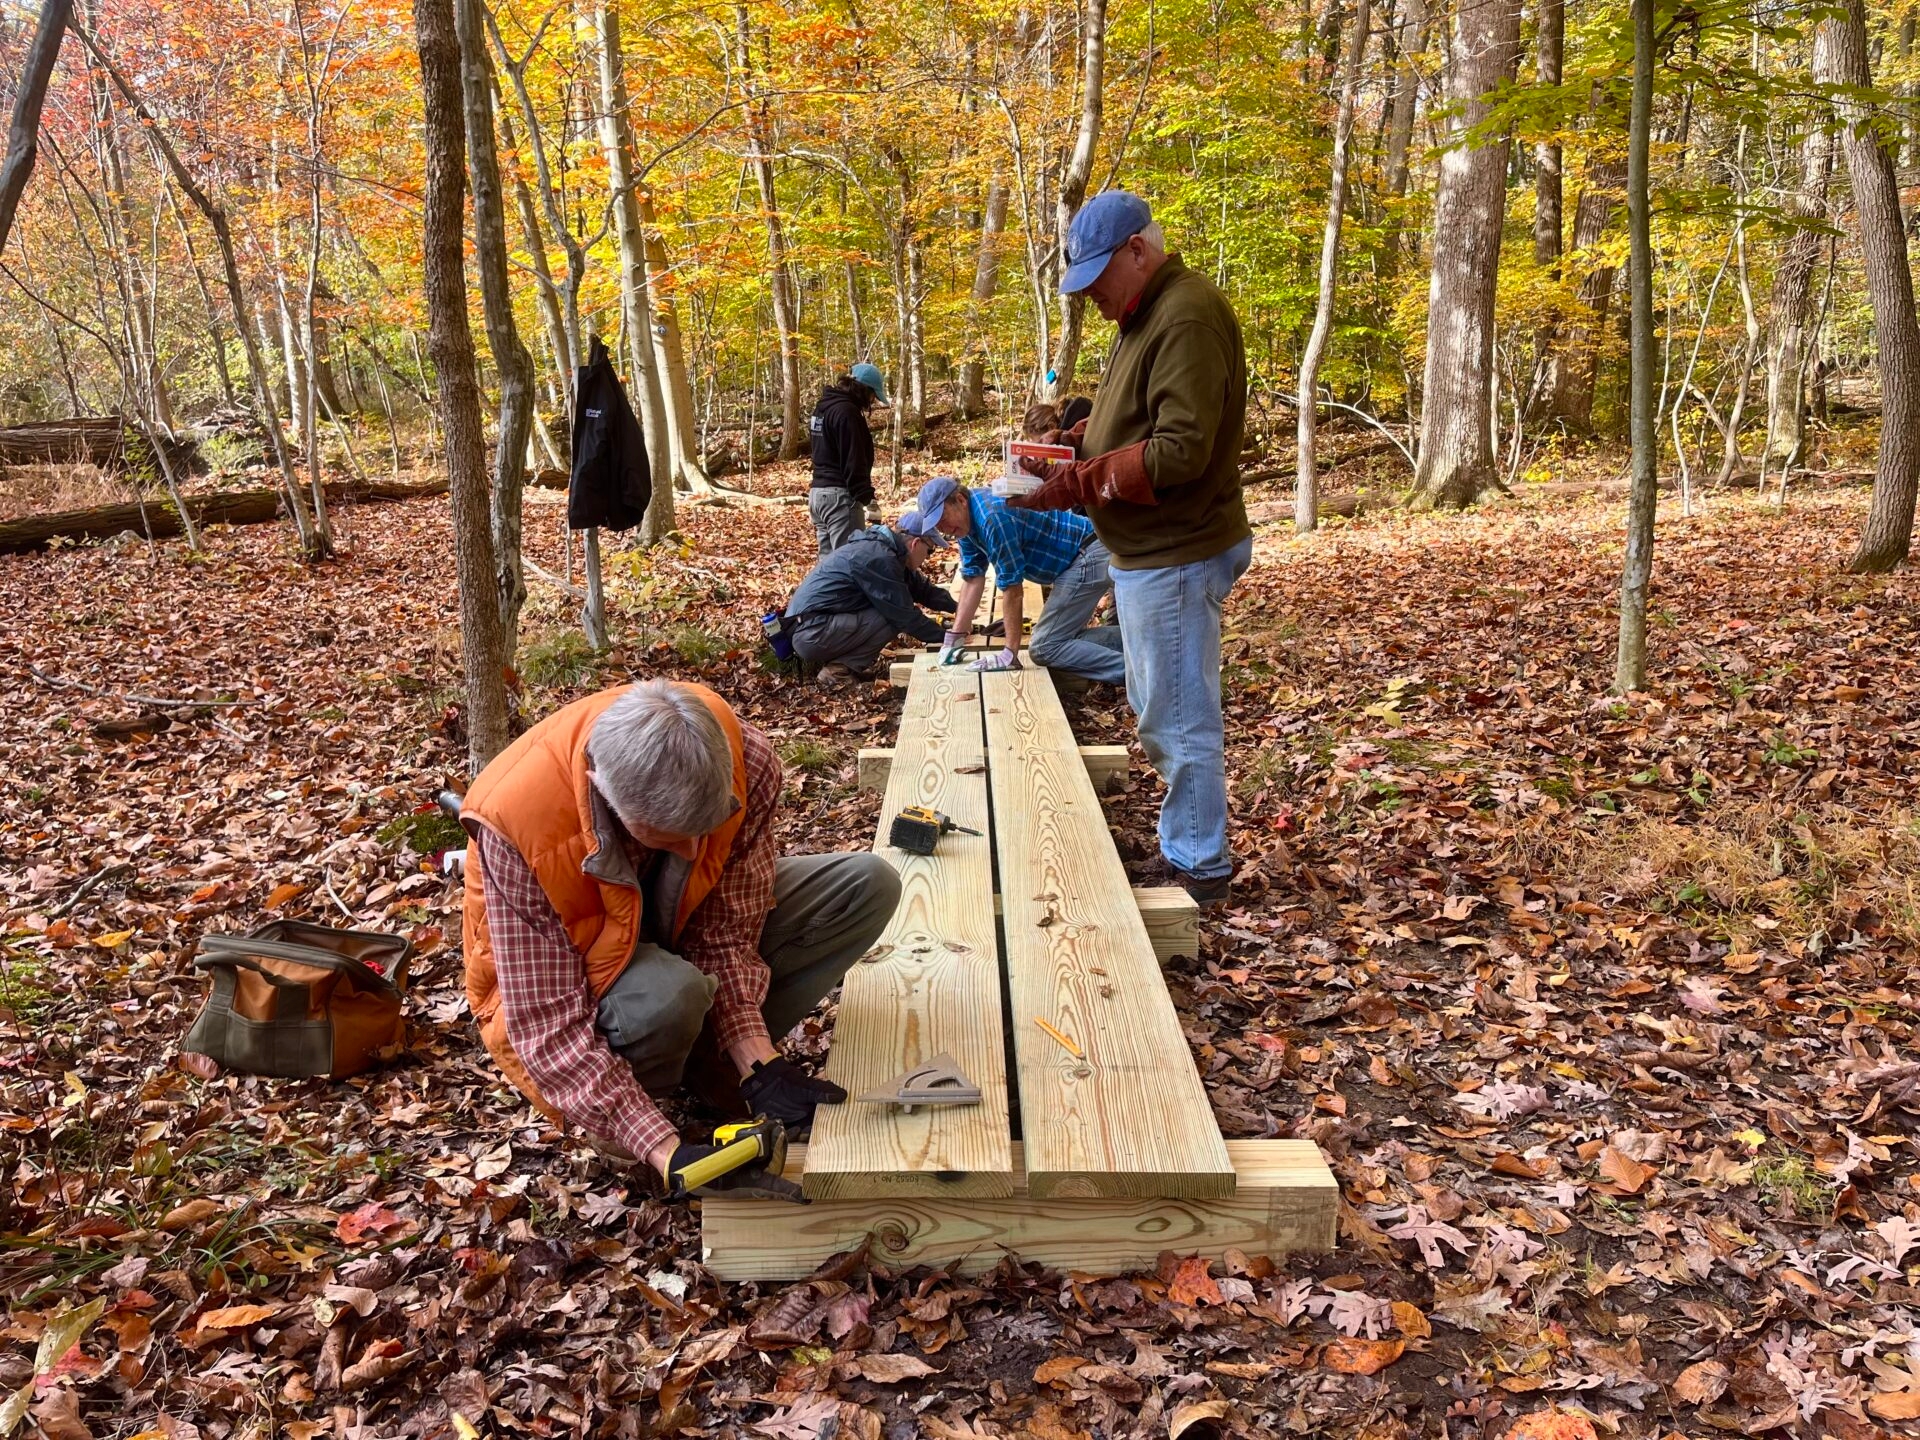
(864, 594)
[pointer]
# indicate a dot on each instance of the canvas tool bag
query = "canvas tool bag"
(296, 999)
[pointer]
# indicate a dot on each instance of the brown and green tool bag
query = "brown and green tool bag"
(302, 1000)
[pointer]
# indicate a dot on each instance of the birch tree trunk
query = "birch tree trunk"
(1883, 243)
(1456, 435)
(1073, 189)
(618, 144)
(971, 397)
(510, 356)
(786, 319)
(1790, 311)
(1306, 491)
(450, 339)
(1630, 665)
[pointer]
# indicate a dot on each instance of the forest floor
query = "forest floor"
(1602, 1010)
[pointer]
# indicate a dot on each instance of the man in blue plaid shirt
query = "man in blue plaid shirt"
(1049, 547)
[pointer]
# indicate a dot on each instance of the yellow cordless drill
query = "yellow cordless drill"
(745, 1159)
(918, 828)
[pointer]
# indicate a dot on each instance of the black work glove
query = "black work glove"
(780, 1089)
(753, 1181)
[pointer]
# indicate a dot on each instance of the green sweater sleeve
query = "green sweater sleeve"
(1184, 402)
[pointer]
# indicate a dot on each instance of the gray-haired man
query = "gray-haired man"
(626, 914)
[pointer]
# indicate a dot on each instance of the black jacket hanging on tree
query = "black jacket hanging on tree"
(611, 483)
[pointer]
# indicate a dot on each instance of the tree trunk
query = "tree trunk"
(450, 339)
(558, 338)
(1456, 436)
(1546, 153)
(216, 217)
(23, 129)
(1306, 493)
(971, 398)
(510, 356)
(1883, 243)
(618, 143)
(785, 317)
(1406, 98)
(670, 352)
(1791, 306)
(1630, 667)
(1073, 189)
(1573, 370)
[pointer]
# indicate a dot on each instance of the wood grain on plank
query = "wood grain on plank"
(931, 984)
(1105, 764)
(1132, 1117)
(1286, 1201)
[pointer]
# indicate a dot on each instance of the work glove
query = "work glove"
(779, 1089)
(752, 1181)
(1116, 475)
(873, 515)
(1002, 660)
(1075, 437)
(953, 648)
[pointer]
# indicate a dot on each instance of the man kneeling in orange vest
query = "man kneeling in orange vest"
(628, 922)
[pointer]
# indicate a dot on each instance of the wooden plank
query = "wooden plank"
(1170, 915)
(1127, 1116)
(900, 672)
(1105, 764)
(1286, 1201)
(932, 984)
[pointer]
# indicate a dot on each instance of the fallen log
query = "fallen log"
(107, 441)
(156, 517)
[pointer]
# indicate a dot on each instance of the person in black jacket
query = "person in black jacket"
(865, 593)
(843, 456)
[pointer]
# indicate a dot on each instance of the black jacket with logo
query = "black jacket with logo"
(611, 483)
(842, 446)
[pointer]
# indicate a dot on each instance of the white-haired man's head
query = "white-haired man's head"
(660, 759)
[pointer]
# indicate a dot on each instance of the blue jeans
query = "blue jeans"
(1170, 621)
(1061, 640)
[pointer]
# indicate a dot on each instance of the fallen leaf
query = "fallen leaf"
(1203, 1417)
(194, 1212)
(236, 1317)
(370, 1221)
(1352, 1356)
(1896, 1405)
(58, 1416)
(1624, 1171)
(1410, 1320)
(1059, 1365)
(281, 894)
(1552, 1425)
(1192, 1285)
(892, 1369)
(1702, 1383)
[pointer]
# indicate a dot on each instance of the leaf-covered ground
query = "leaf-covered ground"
(1601, 1009)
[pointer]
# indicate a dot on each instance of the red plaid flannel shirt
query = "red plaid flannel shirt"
(544, 998)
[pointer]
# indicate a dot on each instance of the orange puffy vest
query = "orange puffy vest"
(535, 795)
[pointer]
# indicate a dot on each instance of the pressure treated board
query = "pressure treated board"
(1171, 918)
(1287, 1201)
(1105, 764)
(901, 671)
(931, 983)
(1129, 1116)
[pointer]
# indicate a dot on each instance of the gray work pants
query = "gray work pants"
(836, 516)
(827, 912)
(853, 639)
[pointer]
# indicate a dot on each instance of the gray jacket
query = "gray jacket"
(870, 572)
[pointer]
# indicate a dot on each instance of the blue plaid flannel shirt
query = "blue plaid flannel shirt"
(1021, 545)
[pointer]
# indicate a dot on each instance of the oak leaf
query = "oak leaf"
(1192, 1285)
(1351, 1356)
(1702, 1383)
(892, 1369)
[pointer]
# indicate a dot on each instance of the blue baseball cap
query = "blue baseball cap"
(932, 500)
(870, 376)
(917, 526)
(1104, 224)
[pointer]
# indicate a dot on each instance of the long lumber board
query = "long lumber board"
(1286, 1201)
(1128, 1115)
(931, 984)
(1105, 763)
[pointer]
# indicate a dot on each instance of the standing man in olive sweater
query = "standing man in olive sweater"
(1160, 479)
